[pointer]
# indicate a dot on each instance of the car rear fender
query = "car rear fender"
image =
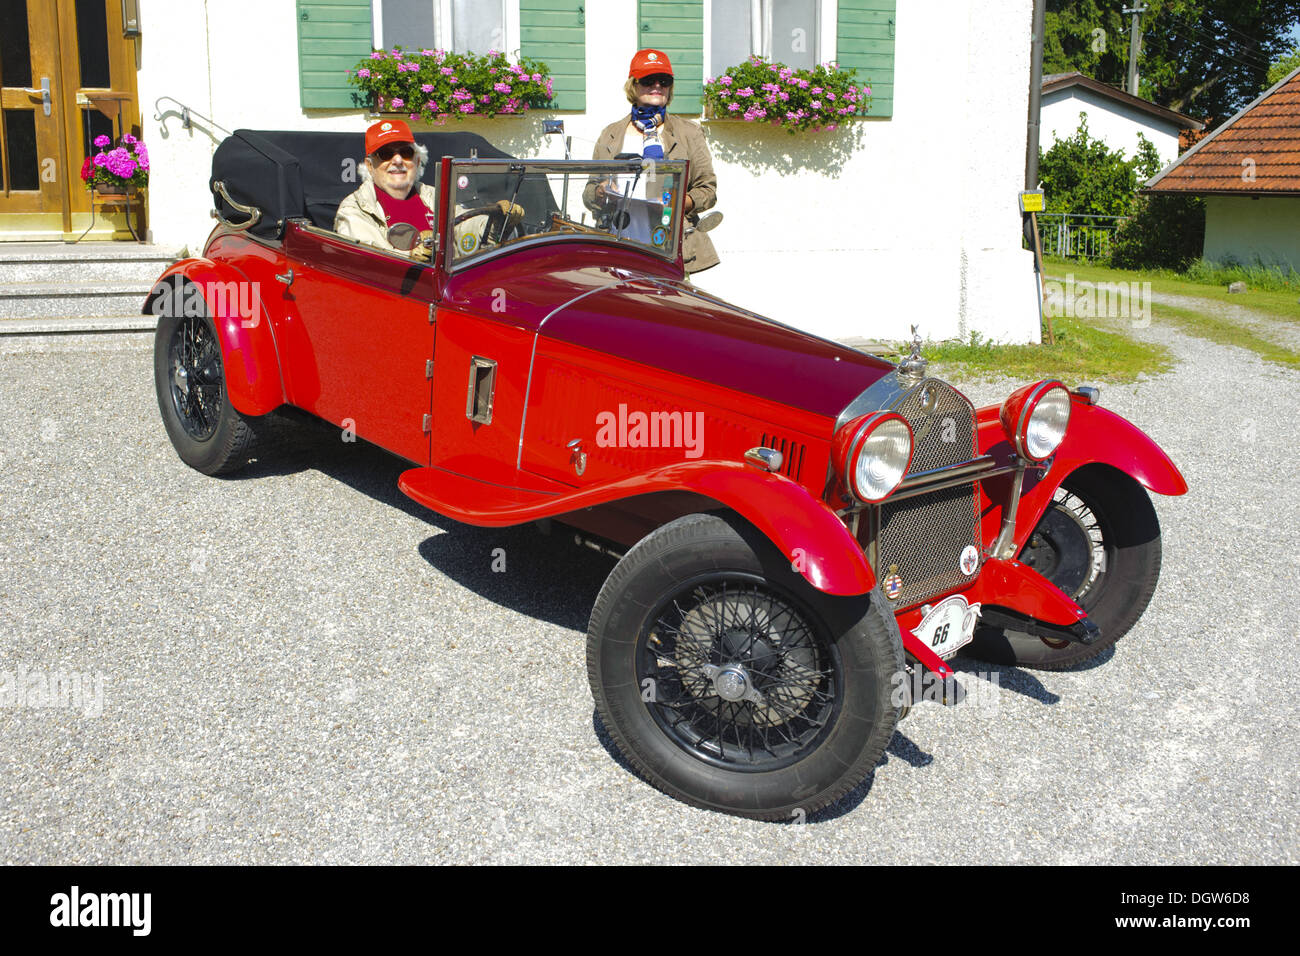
(248, 351)
(1095, 436)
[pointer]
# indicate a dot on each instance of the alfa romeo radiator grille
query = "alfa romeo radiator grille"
(920, 540)
(943, 425)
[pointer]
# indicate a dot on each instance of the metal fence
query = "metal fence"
(1077, 235)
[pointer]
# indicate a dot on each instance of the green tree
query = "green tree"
(1207, 58)
(1282, 66)
(1083, 175)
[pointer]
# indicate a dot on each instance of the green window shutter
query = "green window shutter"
(333, 36)
(678, 30)
(555, 32)
(865, 41)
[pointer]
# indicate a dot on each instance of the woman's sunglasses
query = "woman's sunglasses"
(385, 153)
(660, 79)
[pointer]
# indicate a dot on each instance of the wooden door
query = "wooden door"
(32, 148)
(68, 74)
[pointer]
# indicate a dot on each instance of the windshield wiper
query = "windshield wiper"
(624, 219)
(505, 219)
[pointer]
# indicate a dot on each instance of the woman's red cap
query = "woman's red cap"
(648, 63)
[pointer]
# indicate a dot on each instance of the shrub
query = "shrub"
(1165, 232)
(797, 100)
(435, 84)
(1082, 175)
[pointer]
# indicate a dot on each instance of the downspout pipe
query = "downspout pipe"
(1035, 96)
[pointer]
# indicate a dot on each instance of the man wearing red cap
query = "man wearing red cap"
(390, 191)
(650, 132)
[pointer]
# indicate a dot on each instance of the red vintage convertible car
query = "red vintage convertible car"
(802, 528)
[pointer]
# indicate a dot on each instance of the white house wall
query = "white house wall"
(1115, 124)
(1265, 230)
(854, 233)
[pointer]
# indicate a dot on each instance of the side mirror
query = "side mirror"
(403, 236)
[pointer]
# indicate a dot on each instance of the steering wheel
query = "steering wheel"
(494, 214)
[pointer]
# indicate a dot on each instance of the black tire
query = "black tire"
(709, 591)
(207, 432)
(1099, 542)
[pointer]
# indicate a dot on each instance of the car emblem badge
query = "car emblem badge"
(970, 559)
(893, 586)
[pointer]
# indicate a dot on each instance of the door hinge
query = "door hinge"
(431, 313)
(428, 423)
(428, 368)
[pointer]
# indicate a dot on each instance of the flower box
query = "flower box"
(434, 85)
(757, 91)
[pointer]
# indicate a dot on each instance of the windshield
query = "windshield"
(500, 203)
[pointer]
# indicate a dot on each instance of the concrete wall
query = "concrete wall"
(854, 233)
(1250, 230)
(1113, 123)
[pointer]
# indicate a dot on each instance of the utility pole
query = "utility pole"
(1134, 44)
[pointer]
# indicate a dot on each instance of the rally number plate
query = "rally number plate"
(948, 626)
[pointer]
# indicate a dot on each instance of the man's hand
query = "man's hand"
(513, 212)
(422, 251)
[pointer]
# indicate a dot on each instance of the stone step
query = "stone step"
(25, 262)
(65, 325)
(84, 298)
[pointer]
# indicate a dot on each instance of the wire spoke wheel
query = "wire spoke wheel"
(729, 682)
(194, 375)
(737, 675)
(1099, 542)
(1071, 549)
(206, 429)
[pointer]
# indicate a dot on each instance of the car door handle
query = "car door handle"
(287, 278)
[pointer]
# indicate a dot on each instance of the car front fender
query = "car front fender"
(248, 351)
(1095, 436)
(815, 541)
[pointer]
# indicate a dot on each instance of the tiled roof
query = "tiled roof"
(1257, 152)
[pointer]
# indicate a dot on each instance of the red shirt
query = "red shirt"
(411, 210)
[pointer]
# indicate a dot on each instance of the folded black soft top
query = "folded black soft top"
(293, 174)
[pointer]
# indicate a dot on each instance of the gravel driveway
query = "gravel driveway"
(300, 665)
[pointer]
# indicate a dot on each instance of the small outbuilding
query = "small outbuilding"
(1248, 170)
(1114, 117)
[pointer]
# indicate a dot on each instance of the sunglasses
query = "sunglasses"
(660, 79)
(385, 153)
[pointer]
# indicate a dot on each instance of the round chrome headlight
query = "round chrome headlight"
(877, 455)
(1045, 429)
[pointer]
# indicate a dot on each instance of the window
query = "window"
(786, 31)
(465, 26)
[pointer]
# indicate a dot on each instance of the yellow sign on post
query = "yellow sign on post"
(1031, 200)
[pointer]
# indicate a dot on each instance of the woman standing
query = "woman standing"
(650, 132)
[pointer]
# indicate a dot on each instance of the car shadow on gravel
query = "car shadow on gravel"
(546, 577)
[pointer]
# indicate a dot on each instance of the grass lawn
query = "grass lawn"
(1099, 350)
(1083, 354)
(1282, 305)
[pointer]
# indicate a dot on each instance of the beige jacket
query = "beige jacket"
(681, 139)
(361, 217)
